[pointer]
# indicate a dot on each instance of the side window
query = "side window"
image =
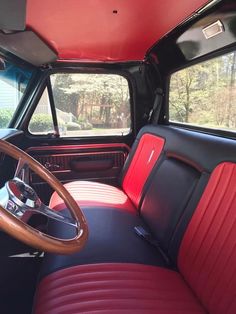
(86, 105)
(41, 121)
(13, 83)
(205, 94)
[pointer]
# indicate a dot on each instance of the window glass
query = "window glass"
(91, 104)
(13, 83)
(205, 94)
(41, 121)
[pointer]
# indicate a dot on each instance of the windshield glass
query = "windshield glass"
(13, 83)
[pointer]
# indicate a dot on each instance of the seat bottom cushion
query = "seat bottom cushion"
(115, 288)
(93, 194)
(111, 239)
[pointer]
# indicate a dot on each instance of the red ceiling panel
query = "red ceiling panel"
(106, 30)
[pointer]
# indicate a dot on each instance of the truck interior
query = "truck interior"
(118, 157)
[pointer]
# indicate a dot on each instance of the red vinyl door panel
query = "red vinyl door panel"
(91, 162)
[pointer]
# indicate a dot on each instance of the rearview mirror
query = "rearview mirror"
(2, 65)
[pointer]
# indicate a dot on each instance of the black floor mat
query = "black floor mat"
(17, 285)
(19, 270)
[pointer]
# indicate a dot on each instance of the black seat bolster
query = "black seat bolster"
(184, 219)
(204, 150)
(167, 197)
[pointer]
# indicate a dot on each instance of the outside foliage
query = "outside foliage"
(5, 117)
(42, 123)
(13, 83)
(99, 103)
(205, 94)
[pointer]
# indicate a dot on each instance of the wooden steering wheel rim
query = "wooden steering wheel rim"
(27, 234)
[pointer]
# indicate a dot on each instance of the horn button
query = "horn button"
(22, 194)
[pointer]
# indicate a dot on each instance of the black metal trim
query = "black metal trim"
(211, 5)
(207, 57)
(216, 132)
(53, 108)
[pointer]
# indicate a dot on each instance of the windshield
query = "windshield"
(13, 83)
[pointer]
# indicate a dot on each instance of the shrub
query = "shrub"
(5, 117)
(86, 125)
(41, 122)
(74, 119)
(72, 126)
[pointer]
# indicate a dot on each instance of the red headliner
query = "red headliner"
(89, 30)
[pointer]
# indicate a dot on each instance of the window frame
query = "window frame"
(46, 84)
(54, 132)
(191, 127)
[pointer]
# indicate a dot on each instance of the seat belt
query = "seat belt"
(145, 235)
(155, 111)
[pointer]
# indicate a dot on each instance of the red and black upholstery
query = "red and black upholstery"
(142, 158)
(207, 257)
(188, 203)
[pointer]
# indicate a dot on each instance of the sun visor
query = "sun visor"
(12, 15)
(28, 46)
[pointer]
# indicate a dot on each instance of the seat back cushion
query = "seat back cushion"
(140, 165)
(207, 256)
(168, 193)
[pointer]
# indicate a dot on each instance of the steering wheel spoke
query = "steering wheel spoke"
(51, 214)
(22, 201)
(22, 171)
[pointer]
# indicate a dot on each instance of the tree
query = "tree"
(204, 94)
(101, 98)
(231, 89)
(64, 101)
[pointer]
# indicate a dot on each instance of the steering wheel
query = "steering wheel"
(18, 201)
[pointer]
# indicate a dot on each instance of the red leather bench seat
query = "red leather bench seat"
(189, 207)
(112, 215)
